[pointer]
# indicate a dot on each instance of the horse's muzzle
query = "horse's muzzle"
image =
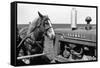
(52, 37)
(51, 34)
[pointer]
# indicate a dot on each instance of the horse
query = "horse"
(33, 42)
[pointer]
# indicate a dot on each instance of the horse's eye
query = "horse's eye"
(46, 22)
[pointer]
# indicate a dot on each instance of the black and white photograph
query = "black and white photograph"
(47, 33)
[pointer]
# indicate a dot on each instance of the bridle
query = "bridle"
(45, 30)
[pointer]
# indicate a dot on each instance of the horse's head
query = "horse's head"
(46, 26)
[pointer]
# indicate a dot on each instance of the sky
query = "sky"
(57, 14)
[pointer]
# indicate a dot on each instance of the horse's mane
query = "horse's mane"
(32, 25)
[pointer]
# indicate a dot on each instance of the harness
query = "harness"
(28, 36)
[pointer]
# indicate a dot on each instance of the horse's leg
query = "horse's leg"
(27, 52)
(27, 60)
(21, 53)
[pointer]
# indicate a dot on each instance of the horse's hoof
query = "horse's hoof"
(53, 61)
(26, 61)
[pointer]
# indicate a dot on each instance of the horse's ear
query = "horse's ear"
(40, 14)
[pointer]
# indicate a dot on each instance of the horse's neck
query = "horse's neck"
(37, 35)
(30, 28)
(32, 25)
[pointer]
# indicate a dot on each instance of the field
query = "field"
(55, 26)
(58, 26)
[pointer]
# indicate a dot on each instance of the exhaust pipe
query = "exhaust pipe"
(73, 19)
